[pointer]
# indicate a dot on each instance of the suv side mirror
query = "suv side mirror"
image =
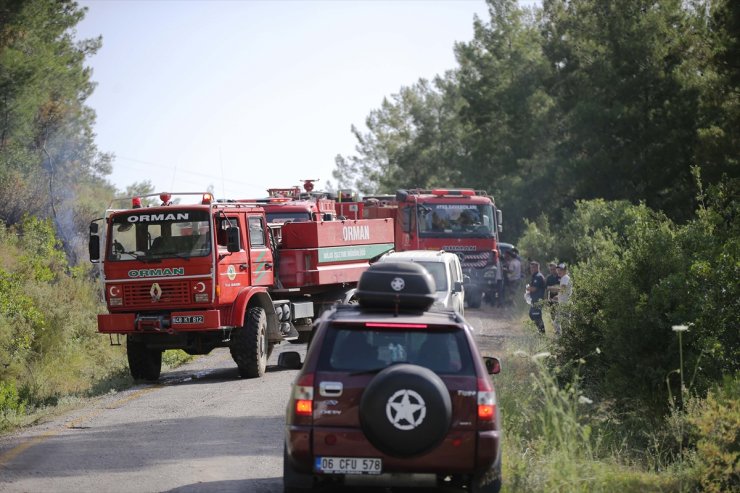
(290, 360)
(458, 287)
(233, 239)
(493, 365)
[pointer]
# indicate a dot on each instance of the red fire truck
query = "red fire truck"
(283, 205)
(216, 274)
(463, 221)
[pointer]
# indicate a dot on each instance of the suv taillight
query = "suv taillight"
(486, 400)
(303, 396)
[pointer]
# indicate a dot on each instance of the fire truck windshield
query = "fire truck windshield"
(156, 234)
(456, 220)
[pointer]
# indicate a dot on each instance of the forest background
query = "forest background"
(607, 131)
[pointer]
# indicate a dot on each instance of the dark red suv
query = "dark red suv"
(391, 394)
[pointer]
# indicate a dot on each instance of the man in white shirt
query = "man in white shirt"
(566, 289)
(513, 276)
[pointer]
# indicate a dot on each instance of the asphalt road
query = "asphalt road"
(200, 429)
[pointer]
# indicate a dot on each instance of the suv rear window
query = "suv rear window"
(361, 349)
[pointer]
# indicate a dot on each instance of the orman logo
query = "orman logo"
(231, 272)
(155, 292)
(175, 271)
(147, 218)
(351, 233)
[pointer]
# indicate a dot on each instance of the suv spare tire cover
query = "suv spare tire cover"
(405, 410)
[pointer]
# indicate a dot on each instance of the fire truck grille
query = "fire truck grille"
(475, 259)
(146, 294)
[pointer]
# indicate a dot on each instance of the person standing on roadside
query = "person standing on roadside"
(499, 287)
(536, 289)
(513, 276)
(552, 283)
(564, 292)
(552, 287)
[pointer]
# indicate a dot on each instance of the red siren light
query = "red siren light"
(308, 185)
(165, 198)
(207, 199)
(136, 203)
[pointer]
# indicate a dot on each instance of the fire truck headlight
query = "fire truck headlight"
(490, 273)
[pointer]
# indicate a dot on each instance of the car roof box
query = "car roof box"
(396, 286)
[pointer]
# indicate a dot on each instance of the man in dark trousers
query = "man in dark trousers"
(552, 288)
(536, 288)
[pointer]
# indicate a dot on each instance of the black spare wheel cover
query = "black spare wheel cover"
(405, 410)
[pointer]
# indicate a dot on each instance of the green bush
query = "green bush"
(49, 347)
(657, 274)
(556, 438)
(717, 426)
(10, 402)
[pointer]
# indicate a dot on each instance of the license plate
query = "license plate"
(348, 465)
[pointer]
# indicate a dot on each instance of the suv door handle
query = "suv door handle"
(330, 389)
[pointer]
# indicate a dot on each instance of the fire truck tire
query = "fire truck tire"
(144, 364)
(474, 298)
(249, 346)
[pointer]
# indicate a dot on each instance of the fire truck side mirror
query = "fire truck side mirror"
(233, 239)
(94, 243)
(500, 220)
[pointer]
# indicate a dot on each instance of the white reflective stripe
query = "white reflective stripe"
(140, 279)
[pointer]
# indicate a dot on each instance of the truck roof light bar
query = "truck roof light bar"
(161, 195)
(463, 192)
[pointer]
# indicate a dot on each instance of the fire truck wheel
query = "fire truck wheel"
(144, 364)
(474, 298)
(249, 346)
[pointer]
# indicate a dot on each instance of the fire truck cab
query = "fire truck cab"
(465, 222)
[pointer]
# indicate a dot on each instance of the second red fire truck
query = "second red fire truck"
(462, 221)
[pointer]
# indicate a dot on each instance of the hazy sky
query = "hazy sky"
(246, 95)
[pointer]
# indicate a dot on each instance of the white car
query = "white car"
(445, 269)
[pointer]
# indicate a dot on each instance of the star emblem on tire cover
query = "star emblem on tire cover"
(406, 409)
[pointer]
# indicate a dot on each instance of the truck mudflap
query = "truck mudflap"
(129, 323)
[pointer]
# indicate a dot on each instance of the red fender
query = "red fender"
(239, 308)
